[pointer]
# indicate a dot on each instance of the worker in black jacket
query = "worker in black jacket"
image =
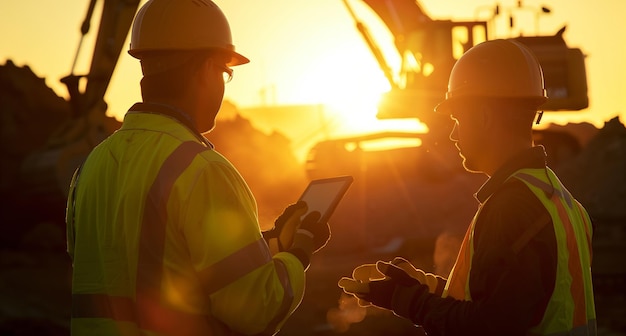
(524, 267)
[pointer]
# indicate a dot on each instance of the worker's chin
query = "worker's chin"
(467, 164)
(206, 128)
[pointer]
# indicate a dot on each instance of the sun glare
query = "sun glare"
(350, 87)
(351, 96)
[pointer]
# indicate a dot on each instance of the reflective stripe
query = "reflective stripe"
(246, 260)
(287, 298)
(457, 284)
(546, 187)
(123, 309)
(152, 235)
(236, 265)
(588, 228)
(152, 315)
(577, 289)
(103, 306)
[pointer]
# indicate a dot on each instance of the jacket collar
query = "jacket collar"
(180, 116)
(534, 157)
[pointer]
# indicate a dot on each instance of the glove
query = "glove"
(309, 238)
(319, 231)
(435, 283)
(280, 238)
(363, 275)
(375, 290)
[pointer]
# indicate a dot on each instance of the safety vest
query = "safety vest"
(571, 309)
(172, 248)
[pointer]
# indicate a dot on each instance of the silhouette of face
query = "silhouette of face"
(215, 87)
(469, 135)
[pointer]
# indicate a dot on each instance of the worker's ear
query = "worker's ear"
(205, 72)
(485, 117)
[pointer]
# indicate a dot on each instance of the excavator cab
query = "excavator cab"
(428, 55)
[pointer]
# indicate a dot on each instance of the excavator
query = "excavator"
(428, 49)
(45, 137)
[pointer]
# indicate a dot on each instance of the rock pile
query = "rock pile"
(597, 176)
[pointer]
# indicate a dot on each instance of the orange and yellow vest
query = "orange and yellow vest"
(571, 309)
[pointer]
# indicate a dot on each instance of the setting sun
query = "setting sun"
(340, 73)
(351, 93)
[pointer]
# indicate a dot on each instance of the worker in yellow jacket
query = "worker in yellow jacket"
(162, 230)
(524, 267)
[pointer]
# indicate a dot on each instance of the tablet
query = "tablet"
(323, 195)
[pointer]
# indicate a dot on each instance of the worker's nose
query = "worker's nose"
(454, 134)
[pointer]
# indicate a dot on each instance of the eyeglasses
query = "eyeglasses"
(227, 73)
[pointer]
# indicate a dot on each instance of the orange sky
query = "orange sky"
(308, 51)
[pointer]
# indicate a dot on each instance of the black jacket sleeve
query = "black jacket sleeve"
(509, 289)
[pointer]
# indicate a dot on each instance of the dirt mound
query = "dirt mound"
(31, 111)
(597, 176)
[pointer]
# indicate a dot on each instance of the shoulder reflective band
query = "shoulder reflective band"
(154, 316)
(547, 188)
(152, 234)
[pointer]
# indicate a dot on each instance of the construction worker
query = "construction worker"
(162, 230)
(524, 266)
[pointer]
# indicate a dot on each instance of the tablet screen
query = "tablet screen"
(323, 195)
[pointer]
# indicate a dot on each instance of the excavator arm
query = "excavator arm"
(36, 181)
(115, 22)
(367, 36)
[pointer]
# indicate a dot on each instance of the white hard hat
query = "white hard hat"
(182, 25)
(497, 69)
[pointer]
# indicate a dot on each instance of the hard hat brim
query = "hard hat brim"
(444, 106)
(237, 59)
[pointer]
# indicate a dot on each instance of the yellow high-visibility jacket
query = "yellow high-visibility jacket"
(165, 240)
